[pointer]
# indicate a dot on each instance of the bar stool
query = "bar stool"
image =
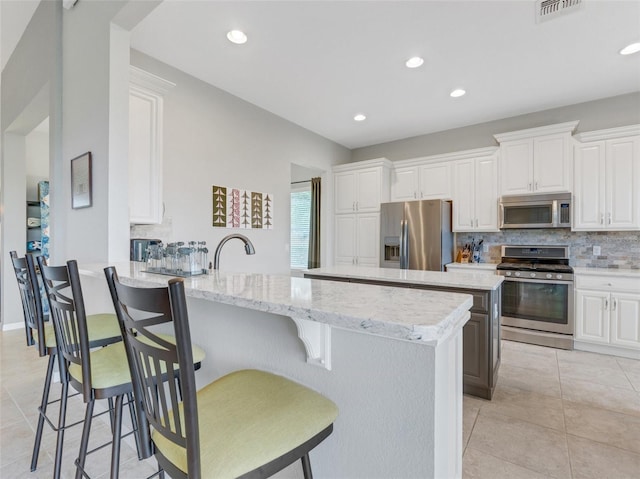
(103, 329)
(246, 424)
(97, 374)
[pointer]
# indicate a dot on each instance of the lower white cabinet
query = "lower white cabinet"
(608, 311)
(357, 239)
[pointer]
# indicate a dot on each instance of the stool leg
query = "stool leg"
(117, 431)
(61, 423)
(84, 442)
(42, 410)
(134, 425)
(306, 467)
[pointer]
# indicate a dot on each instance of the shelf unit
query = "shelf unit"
(34, 233)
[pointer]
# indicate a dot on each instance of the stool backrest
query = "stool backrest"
(62, 284)
(162, 372)
(29, 287)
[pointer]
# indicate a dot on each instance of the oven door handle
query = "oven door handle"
(533, 280)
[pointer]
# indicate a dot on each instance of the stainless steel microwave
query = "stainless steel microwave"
(536, 211)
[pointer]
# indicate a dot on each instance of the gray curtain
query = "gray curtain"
(314, 225)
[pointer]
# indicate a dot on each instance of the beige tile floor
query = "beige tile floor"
(561, 414)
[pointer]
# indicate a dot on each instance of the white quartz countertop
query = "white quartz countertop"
(401, 313)
(472, 266)
(630, 273)
(470, 280)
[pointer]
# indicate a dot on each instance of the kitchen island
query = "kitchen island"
(390, 358)
(481, 336)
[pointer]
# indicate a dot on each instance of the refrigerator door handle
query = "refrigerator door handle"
(404, 244)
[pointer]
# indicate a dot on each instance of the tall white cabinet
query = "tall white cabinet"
(475, 190)
(359, 188)
(607, 180)
(536, 160)
(146, 98)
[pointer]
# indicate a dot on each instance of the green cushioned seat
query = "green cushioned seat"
(249, 418)
(100, 326)
(109, 367)
(196, 351)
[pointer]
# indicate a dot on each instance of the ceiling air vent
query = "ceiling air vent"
(548, 9)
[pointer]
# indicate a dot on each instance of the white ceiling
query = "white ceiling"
(317, 63)
(14, 17)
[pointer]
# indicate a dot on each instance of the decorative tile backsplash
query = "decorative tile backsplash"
(619, 249)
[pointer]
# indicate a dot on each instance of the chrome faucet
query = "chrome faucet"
(248, 247)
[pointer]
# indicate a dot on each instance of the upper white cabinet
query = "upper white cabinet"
(146, 93)
(607, 180)
(421, 180)
(536, 160)
(361, 186)
(475, 191)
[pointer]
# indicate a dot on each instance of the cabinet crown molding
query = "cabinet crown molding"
(456, 155)
(567, 127)
(609, 133)
(358, 165)
(141, 78)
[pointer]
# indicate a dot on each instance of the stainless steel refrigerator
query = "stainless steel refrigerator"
(416, 235)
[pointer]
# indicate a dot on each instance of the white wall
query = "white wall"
(212, 137)
(37, 161)
(593, 115)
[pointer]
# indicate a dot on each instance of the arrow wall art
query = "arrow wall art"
(236, 208)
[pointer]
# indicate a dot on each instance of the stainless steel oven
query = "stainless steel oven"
(537, 295)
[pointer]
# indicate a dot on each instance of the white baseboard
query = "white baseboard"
(607, 349)
(10, 326)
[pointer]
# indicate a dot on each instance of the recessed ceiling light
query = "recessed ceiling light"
(360, 117)
(414, 62)
(629, 49)
(458, 92)
(237, 36)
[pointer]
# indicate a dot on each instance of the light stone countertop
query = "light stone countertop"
(630, 273)
(470, 280)
(472, 266)
(400, 313)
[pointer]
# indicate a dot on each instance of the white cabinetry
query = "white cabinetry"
(357, 239)
(537, 160)
(608, 313)
(607, 181)
(359, 188)
(146, 93)
(475, 191)
(422, 180)
(362, 186)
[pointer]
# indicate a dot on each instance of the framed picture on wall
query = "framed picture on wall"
(81, 181)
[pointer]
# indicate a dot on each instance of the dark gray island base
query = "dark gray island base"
(481, 334)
